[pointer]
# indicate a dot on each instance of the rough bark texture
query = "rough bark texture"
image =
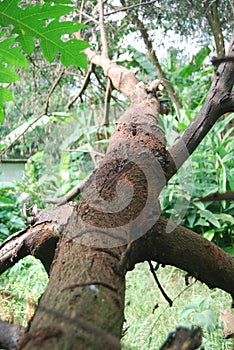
(9, 335)
(178, 246)
(85, 293)
(117, 223)
(214, 22)
(82, 307)
(182, 338)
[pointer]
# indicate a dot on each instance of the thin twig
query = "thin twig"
(87, 16)
(69, 195)
(102, 30)
(86, 151)
(21, 134)
(81, 10)
(40, 116)
(56, 82)
(107, 102)
(130, 7)
(158, 284)
(82, 89)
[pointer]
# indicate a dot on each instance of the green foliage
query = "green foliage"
(211, 171)
(43, 23)
(21, 286)
(9, 55)
(61, 166)
(196, 63)
(10, 216)
(150, 318)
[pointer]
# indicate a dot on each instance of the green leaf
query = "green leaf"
(4, 230)
(201, 222)
(71, 53)
(7, 75)
(229, 250)
(225, 218)
(11, 54)
(42, 22)
(2, 115)
(5, 95)
(209, 235)
(209, 216)
(5, 201)
(196, 63)
(205, 319)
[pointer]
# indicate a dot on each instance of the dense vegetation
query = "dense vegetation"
(65, 139)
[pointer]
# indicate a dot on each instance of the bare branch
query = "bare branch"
(185, 249)
(9, 335)
(56, 82)
(154, 59)
(102, 30)
(87, 16)
(21, 134)
(122, 9)
(159, 284)
(69, 195)
(220, 100)
(81, 10)
(107, 102)
(82, 89)
(227, 196)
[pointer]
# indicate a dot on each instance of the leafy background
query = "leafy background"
(62, 148)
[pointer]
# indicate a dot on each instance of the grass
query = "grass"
(20, 289)
(22, 285)
(149, 325)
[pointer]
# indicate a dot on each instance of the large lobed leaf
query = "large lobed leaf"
(42, 22)
(36, 22)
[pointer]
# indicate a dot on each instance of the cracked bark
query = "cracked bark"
(82, 306)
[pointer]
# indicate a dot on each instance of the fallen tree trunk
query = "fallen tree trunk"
(117, 223)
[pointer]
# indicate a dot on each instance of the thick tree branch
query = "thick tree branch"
(186, 250)
(164, 243)
(122, 78)
(9, 335)
(218, 102)
(38, 240)
(214, 22)
(183, 338)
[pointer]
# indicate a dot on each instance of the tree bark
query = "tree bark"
(117, 223)
(215, 25)
(154, 59)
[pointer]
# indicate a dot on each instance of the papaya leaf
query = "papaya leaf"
(7, 74)
(5, 95)
(11, 54)
(42, 22)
